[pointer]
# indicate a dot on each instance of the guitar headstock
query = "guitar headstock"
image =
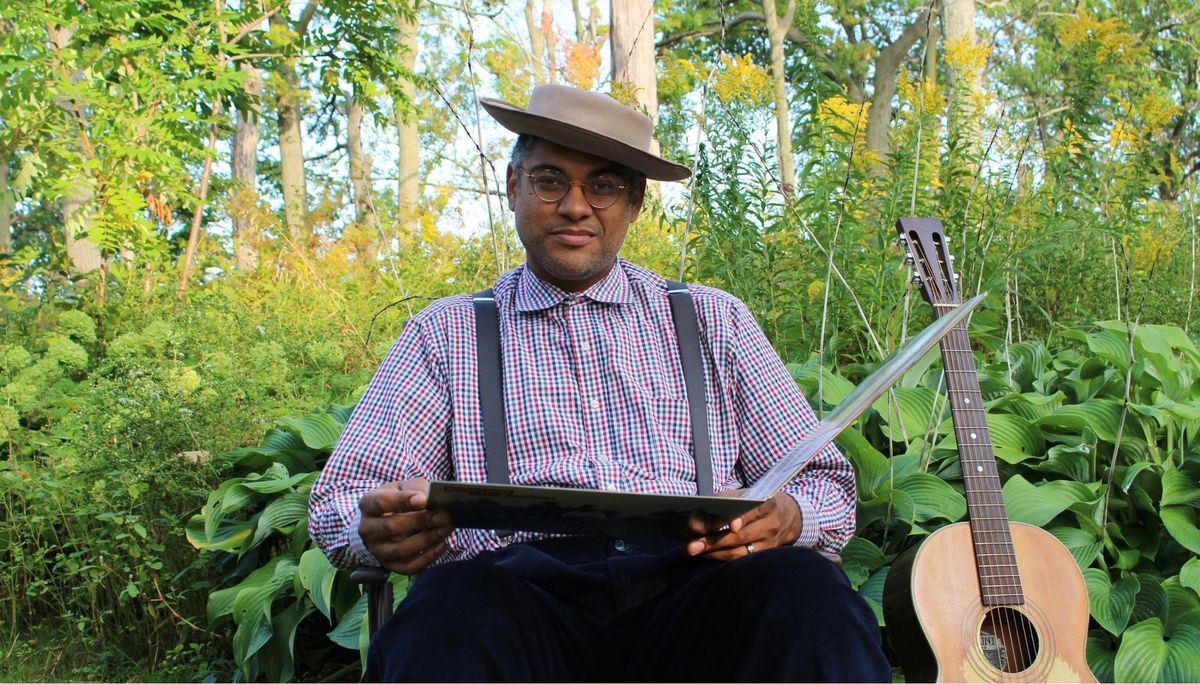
(930, 258)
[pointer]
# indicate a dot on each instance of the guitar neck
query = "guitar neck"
(999, 581)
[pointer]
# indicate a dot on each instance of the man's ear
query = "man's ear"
(510, 182)
(637, 196)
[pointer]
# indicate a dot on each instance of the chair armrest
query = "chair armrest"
(379, 594)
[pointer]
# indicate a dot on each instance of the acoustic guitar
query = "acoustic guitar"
(985, 600)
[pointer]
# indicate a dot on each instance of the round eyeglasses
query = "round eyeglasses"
(551, 187)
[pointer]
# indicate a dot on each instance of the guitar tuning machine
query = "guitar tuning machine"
(901, 242)
(915, 280)
(909, 260)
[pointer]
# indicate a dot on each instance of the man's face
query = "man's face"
(570, 243)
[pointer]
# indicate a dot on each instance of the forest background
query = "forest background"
(216, 216)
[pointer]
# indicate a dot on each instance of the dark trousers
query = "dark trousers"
(591, 609)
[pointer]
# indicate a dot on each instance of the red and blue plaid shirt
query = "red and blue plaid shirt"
(594, 398)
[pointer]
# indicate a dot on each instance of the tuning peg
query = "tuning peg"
(916, 280)
(951, 258)
(901, 242)
(909, 260)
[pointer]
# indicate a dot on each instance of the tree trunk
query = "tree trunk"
(291, 146)
(777, 28)
(360, 179)
(578, 12)
(632, 46)
(958, 20)
(245, 172)
(548, 40)
(537, 42)
(409, 162)
(7, 198)
(83, 254)
(887, 66)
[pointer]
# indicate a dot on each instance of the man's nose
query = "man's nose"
(574, 204)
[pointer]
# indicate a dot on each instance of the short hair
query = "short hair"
(524, 147)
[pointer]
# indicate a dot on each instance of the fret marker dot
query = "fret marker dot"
(979, 468)
(972, 435)
(966, 400)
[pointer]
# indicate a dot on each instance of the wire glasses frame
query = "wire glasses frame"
(551, 187)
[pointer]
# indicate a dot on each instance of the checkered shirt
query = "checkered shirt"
(594, 398)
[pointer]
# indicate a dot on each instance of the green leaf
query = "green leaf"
(278, 657)
(1184, 604)
(1132, 472)
(860, 558)
(280, 515)
(1038, 505)
(1110, 346)
(316, 576)
(932, 497)
(1180, 522)
(319, 431)
(1101, 654)
(1029, 405)
(1111, 605)
(346, 634)
(1147, 654)
(1083, 545)
(1189, 575)
(1151, 600)
(910, 416)
(872, 592)
(1179, 489)
(229, 535)
(1099, 414)
(870, 466)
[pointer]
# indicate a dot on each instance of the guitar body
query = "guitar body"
(940, 629)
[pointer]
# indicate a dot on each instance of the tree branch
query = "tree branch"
(306, 16)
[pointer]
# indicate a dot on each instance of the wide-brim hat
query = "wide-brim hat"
(589, 122)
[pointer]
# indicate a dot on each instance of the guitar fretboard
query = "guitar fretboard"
(999, 581)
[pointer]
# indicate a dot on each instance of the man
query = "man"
(594, 397)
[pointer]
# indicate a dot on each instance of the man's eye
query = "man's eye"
(604, 188)
(549, 182)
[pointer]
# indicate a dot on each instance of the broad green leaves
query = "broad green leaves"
(1055, 423)
(264, 514)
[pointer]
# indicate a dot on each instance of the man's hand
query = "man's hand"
(775, 523)
(397, 529)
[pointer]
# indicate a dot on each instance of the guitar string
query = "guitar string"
(1015, 639)
(1013, 632)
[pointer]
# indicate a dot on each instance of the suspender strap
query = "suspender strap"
(491, 386)
(687, 329)
(491, 383)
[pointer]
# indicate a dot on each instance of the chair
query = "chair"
(379, 594)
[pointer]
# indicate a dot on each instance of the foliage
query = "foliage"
(1111, 473)
(256, 526)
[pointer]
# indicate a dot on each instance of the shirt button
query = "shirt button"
(620, 546)
(595, 403)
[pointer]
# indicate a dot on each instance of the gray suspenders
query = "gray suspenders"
(491, 383)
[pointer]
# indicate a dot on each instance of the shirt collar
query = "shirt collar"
(535, 294)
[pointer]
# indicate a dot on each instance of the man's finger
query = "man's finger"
(406, 549)
(396, 497)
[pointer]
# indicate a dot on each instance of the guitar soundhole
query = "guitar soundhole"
(1008, 640)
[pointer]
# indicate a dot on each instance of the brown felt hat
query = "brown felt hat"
(589, 122)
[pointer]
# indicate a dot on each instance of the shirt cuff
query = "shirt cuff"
(810, 525)
(358, 549)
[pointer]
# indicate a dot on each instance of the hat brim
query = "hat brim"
(520, 121)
